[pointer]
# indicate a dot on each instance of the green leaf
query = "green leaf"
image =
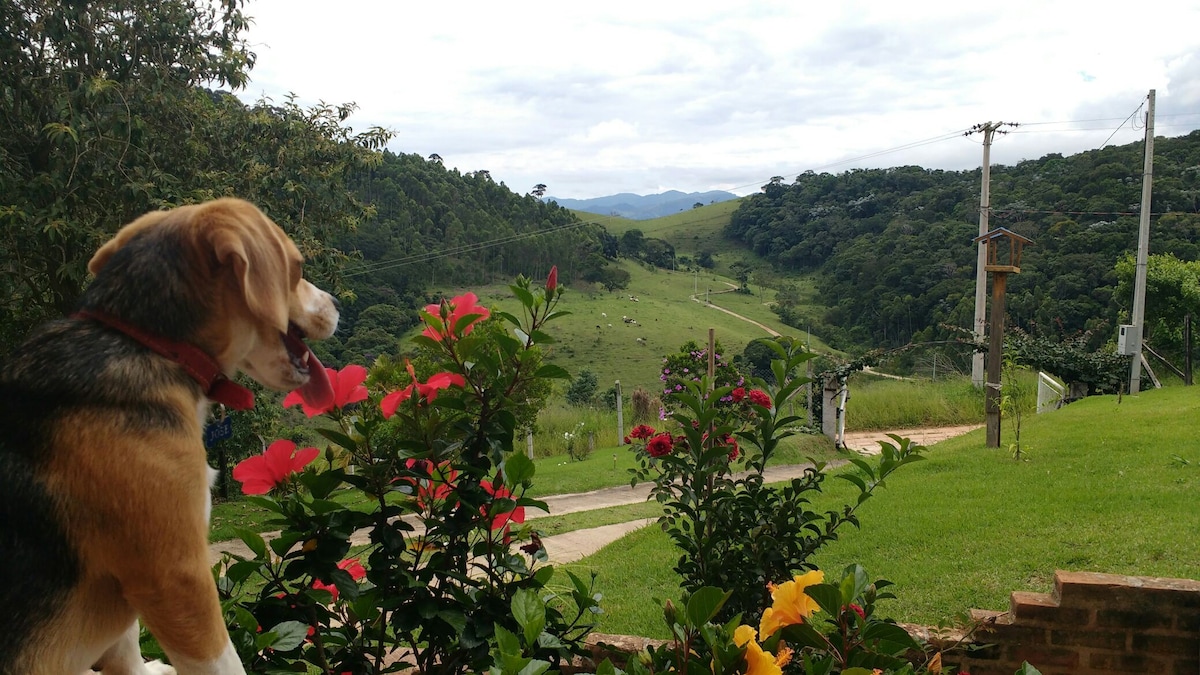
(530, 613)
(827, 596)
(346, 585)
(704, 605)
(518, 470)
(288, 635)
(508, 317)
(321, 483)
(552, 371)
(338, 438)
(889, 632)
(523, 295)
(267, 503)
(324, 506)
(253, 541)
(854, 583)
(284, 542)
(535, 667)
(507, 642)
(1027, 669)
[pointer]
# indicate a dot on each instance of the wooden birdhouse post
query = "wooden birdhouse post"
(1003, 256)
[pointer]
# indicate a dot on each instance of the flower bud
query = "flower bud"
(552, 280)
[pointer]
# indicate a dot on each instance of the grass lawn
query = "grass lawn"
(1101, 492)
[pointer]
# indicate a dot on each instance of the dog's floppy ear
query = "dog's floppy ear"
(100, 259)
(244, 241)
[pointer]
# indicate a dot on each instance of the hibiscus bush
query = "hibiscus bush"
(812, 627)
(403, 543)
(735, 532)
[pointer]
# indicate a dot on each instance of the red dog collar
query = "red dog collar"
(203, 368)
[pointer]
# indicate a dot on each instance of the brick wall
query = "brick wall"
(1094, 623)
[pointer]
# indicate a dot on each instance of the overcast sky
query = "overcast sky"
(595, 98)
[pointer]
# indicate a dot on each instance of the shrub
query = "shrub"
(734, 532)
(582, 389)
(645, 407)
(439, 493)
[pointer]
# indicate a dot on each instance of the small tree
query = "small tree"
(582, 389)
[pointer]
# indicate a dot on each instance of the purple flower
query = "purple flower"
(685, 370)
(666, 371)
(679, 387)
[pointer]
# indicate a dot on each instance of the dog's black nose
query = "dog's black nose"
(337, 304)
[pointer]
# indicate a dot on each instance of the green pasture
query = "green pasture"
(596, 337)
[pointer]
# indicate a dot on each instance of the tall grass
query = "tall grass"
(883, 404)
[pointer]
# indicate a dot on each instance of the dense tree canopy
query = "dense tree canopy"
(893, 247)
(103, 117)
(105, 114)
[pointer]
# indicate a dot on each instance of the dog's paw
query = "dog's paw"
(158, 668)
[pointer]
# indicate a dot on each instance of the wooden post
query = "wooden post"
(994, 356)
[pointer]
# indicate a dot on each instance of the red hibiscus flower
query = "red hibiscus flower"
(502, 520)
(454, 317)
(738, 394)
(552, 280)
(259, 474)
(425, 391)
(352, 566)
(347, 389)
(641, 431)
(760, 397)
(438, 486)
(660, 445)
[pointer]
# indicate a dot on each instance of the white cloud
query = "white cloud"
(622, 96)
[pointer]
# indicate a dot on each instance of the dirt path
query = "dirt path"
(696, 298)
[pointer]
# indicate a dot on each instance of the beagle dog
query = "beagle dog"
(104, 484)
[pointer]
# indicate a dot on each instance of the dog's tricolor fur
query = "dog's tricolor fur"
(104, 487)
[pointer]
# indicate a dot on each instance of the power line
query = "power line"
(1114, 133)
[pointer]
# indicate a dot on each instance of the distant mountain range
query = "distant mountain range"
(644, 207)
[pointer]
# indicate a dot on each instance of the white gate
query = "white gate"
(1050, 392)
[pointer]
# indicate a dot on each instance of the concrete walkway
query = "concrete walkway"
(572, 546)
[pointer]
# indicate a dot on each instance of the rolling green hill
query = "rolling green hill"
(595, 337)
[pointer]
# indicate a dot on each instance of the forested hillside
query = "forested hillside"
(435, 228)
(894, 253)
(105, 114)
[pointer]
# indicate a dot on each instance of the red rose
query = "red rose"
(641, 431)
(660, 445)
(760, 397)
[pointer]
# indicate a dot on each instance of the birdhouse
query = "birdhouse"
(1003, 250)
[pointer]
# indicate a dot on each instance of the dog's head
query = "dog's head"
(246, 274)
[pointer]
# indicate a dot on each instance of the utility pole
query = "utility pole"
(985, 208)
(1139, 284)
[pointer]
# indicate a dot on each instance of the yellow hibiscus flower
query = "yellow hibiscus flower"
(791, 605)
(759, 662)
